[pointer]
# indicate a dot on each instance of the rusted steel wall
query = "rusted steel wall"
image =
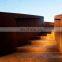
(7, 39)
(48, 25)
(29, 21)
(18, 20)
(58, 30)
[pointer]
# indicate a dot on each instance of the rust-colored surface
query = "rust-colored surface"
(7, 39)
(58, 29)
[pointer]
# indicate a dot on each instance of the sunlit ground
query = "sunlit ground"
(41, 49)
(43, 44)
